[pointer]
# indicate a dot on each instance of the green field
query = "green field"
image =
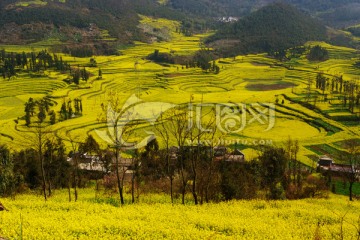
(154, 217)
(245, 79)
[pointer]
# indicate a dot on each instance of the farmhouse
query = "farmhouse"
(86, 162)
(93, 163)
(325, 162)
(221, 154)
(328, 165)
(235, 156)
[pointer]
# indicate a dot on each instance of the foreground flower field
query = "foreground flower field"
(29, 217)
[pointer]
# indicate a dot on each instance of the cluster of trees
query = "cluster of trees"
(204, 59)
(159, 57)
(40, 108)
(349, 91)
(194, 168)
(10, 62)
(276, 174)
(88, 49)
(79, 74)
(71, 108)
(318, 53)
(285, 55)
(44, 165)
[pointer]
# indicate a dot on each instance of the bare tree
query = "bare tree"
(207, 170)
(121, 123)
(40, 135)
(179, 130)
(199, 154)
(353, 171)
(163, 131)
(75, 143)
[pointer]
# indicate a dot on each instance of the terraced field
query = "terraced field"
(245, 79)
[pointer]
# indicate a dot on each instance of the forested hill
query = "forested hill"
(84, 21)
(337, 13)
(272, 28)
(24, 21)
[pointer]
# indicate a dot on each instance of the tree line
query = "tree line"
(11, 63)
(45, 167)
(204, 59)
(348, 90)
(41, 109)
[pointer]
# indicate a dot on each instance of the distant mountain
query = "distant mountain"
(272, 28)
(337, 13)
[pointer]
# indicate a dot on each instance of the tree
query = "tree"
(200, 154)
(41, 114)
(27, 115)
(100, 74)
(120, 127)
(76, 76)
(273, 163)
(75, 143)
(40, 136)
(84, 74)
(353, 172)
(7, 175)
(52, 117)
(294, 176)
(168, 156)
(56, 165)
(178, 129)
(90, 146)
(93, 62)
(136, 174)
(308, 89)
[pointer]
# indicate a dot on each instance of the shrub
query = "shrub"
(315, 186)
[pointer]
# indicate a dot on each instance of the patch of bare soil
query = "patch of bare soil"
(269, 87)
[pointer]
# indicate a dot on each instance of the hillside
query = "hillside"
(272, 28)
(88, 21)
(337, 13)
(77, 21)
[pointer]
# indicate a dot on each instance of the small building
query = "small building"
(325, 162)
(87, 162)
(236, 156)
(220, 153)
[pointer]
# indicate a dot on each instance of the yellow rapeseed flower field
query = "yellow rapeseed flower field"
(29, 217)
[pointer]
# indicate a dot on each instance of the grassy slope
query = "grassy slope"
(154, 83)
(156, 218)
